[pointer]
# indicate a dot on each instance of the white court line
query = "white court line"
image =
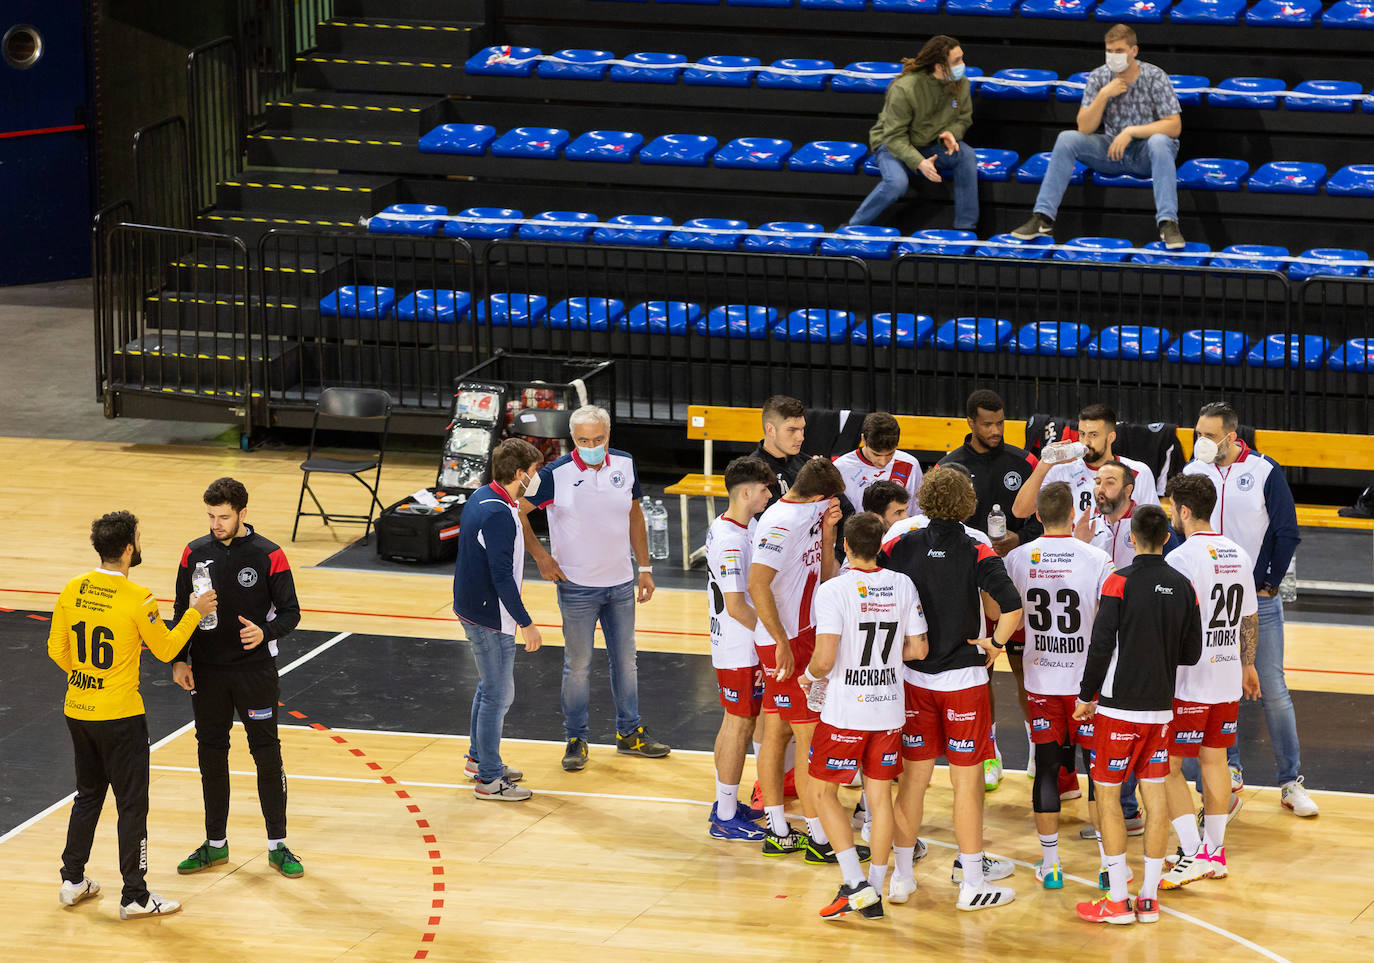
(322, 647)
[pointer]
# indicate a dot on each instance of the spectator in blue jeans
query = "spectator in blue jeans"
(592, 497)
(1128, 124)
(486, 597)
(921, 127)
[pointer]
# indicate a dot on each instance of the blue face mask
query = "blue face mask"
(592, 456)
(957, 72)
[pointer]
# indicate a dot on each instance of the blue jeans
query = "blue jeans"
(889, 191)
(1151, 157)
(493, 653)
(582, 607)
(1276, 702)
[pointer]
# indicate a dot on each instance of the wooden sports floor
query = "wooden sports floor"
(612, 863)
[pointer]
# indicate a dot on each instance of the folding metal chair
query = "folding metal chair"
(350, 409)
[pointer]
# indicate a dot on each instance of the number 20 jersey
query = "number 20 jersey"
(872, 611)
(1222, 574)
(728, 547)
(1060, 581)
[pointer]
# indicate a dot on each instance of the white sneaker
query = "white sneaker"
(984, 897)
(1295, 797)
(501, 790)
(1188, 869)
(73, 893)
(921, 850)
(155, 906)
(992, 774)
(1237, 780)
(993, 869)
(899, 889)
(866, 831)
(1030, 766)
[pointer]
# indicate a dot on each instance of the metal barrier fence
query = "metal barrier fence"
(216, 107)
(105, 220)
(270, 35)
(162, 172)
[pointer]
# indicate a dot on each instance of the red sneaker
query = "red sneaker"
(1107, 910)
(756, 797)
(1068, 785)
(1146, 910)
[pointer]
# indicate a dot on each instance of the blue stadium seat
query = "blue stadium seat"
(803, 82)
(1212, 174)
(1036, 250)
(738, 321)
(1357, 354)
(1297, 271)
(1057, 9)
(1034, 168)
(358, 301)
(1353, 180)
(816, 325)
(1062, 339)
(615, 146)
(862, 240)
(992, 89)
(1347, 14)
(576, 64)
(758, 3)
(682, 150)
(995, 164)
(722, 78)
(1207, 11)
(1255, 93)
(1288, 177)
(939, 241)
(1129, 342)
(1132, 11)
(1283, 13)
(1187, 88)
(659, 68)
(984, 335)
(719, 234)
(545, 142)
(640, 230)
(482, 62)
(512, 309)
(829, 156)
(442, 306)
(1194, 254)
(1340, 99)
(1301, 351)
(908, 6)
(1071, 95)
(483, 223)
(758, 153)
(1253, 257)
(980, 8)
(833, 4)
(1103, 249)
(554, 232)
(661, 317)
(381, 224)
(779, 239)
(585, 314)
(1122, 180)
(913, 330)
(458, 139)
(1208, 346)
(878, 74)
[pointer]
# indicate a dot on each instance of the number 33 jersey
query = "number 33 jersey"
(1060, 581)
(872, 611)
(728, 546)
(1223, 575)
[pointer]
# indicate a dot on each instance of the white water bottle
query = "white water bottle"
(658, 531)
(1063, 451)
(200, 584)
(1288, 587)
(997, 523)
(815, 697)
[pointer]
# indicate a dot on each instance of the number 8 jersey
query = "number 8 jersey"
(1223, 576)
(872, 611)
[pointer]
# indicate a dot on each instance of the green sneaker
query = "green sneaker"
(638, 743)
(818, 854)
(203, 858)
(285, 862)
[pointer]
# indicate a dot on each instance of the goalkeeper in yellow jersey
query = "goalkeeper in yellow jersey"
(98, 626)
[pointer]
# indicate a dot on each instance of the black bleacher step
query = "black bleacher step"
(207, 310)
(337, 110)
(430, 11)
(387, 37)
(408, 75)
(202, 359)
(249, 226)
(308, 194)
(285, 273)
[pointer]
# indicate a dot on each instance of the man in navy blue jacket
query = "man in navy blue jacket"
(486, 596)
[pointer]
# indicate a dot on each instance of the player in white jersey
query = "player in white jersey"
(1106, 524)
(739, 677)
(860, 616)
(1060, 581)
(1207, 695)
(794, 551)
(877, 459)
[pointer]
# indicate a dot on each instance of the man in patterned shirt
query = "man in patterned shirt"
(1128, 124)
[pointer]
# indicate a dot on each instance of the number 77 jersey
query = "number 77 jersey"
(1060, 581)
(1222, 574)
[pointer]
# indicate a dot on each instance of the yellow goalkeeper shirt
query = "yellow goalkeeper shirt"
(98, 626)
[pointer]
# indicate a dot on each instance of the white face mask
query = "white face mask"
(1116, 62)
(1205, 450)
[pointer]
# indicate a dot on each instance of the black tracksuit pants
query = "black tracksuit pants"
(252, 693)
(110, 754)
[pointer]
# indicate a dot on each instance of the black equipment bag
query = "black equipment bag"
(411, 532)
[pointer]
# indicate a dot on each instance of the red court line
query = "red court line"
(42, 130)
(1289, 668)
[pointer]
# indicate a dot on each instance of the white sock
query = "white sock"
(777, 820)
(849, 866)
(1030, 743)
(1215, 828)
(1116, 872)
(1154, 868)
(221, 843)
(816, 830)
(972, 864)
(274, 843)
(1101, 853)
(905, 863)
(758, 747)
(1186, 827)
(997, 750)
(877, 875)
(727, 800)
(1049, 850)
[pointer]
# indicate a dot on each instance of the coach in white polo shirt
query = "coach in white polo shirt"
(592, 497)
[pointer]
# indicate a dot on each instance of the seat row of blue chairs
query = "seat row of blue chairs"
(791, 237)
(831, 326)
(865, 76)
(1265, 13)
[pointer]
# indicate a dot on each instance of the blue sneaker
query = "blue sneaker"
(1052, 878)
(748, 813)
(733, 828)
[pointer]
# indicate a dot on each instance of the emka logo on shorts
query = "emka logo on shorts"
(1119, 764)
(889, 759)
(730, 695)
(960, 745)
(913, 742)
(1039, 724)
(846, 765)
(782, 701)
(1188, 736)
(1160, 755)
(1086, 730)
(1228, 728)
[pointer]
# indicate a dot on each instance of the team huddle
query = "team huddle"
(867, 639)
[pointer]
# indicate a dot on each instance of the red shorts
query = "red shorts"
(837, 754)
(741, 690)
(1121, 748)
(1198, 724)
(787, 698)
(1052, 721)
(956, 725)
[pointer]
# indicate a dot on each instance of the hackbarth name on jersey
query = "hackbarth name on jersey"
(870, 677)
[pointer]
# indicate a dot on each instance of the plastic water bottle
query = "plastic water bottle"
(1288, 588)
(815, 697)
(1063, 451)
(200, 584)
(658, 530)
(997, 523)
